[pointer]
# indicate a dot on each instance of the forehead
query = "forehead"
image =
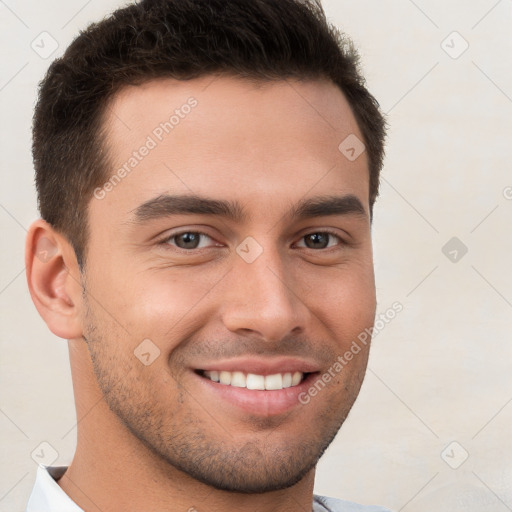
(222, 136)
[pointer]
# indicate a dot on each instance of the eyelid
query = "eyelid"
(165, 240)
(330, 231)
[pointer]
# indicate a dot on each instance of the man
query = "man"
(206, 172)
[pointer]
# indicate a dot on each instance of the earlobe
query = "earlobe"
(54, 280)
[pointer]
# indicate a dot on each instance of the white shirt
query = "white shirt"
(47, 496)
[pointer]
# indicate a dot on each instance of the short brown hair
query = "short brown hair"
(181, 39)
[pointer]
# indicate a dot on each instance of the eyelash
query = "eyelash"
(167, 239)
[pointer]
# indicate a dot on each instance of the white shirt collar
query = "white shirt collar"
(47, 496)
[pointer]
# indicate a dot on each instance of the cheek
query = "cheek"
(342, 297)
(164, 304)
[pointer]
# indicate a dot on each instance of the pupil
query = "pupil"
(317, 240)
(188, 240)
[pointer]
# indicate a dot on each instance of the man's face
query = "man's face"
(237, 247)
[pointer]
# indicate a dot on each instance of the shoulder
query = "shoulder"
(324, 504)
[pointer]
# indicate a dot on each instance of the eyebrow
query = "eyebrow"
(329, 205)
(167, 205)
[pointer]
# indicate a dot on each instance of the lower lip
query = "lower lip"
(257, 402)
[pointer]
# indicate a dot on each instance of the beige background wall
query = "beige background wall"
(439, 385)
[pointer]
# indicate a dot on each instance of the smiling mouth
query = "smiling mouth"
(254, 381)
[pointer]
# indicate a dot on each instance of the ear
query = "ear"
(54, 280)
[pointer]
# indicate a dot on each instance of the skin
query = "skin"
(156, 437)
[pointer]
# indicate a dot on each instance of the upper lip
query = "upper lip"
(262, 366)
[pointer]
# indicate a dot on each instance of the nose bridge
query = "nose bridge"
(261, 299)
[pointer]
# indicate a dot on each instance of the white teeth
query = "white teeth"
(297, 377)
(238, 379)
(225, 378)
(274, 381)
(253, 381)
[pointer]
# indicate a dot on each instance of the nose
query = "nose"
(260, 300)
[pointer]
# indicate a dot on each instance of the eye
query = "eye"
(320, 240)
(189, 240)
